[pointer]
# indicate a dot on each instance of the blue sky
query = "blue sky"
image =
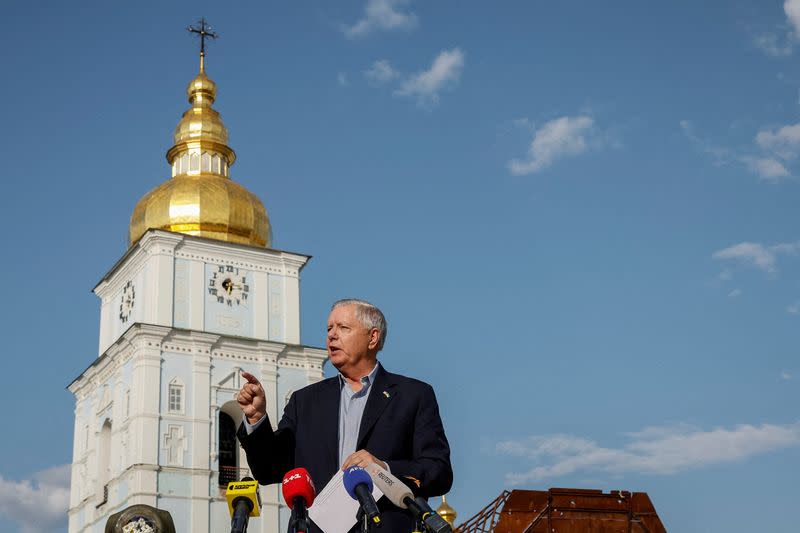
(580, 219)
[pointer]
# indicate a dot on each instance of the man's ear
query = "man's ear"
(374, 338)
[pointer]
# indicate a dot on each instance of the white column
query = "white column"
(201, 429)
(106, 326)
(260, 299)
(145, 403)
(197, 294)
(161, 280)
(292, 310)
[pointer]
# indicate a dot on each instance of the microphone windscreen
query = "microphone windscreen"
(391, 487)
(297, 483)
(246, 489)
(354, 476)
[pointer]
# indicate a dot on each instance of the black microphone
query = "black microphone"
(359, 486)
(433, 522)
(400, 495)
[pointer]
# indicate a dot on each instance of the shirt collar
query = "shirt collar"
(366, 381)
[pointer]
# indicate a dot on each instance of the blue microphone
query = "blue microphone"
(358, 485)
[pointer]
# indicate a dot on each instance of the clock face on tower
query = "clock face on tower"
(229, 286)
(126, 301)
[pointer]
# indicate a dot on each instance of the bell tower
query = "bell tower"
(198, 297)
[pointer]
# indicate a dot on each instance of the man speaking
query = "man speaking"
(363, 415)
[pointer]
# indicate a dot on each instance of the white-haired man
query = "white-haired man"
(363, 415)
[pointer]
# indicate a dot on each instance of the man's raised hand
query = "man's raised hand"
(252, 399)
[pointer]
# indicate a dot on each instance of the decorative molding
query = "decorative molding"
(232, 381)
(175, 444)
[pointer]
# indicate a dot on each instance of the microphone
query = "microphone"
(433, 522)
(298, 493)
(358, 485)
(400, 495)
(244, 501)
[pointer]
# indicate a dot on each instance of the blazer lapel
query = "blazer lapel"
(328, 421)
(380, 395)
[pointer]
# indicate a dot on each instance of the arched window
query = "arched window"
(228, 451)
(104, 462)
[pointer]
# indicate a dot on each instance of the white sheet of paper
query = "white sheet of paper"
(334, 511)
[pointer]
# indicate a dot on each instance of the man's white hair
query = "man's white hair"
(369, 316)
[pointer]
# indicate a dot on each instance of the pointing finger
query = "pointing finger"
(250, 378)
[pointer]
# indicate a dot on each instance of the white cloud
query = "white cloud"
(444, 73)
(792, 10)
(757, 255)
(784, 142)
(381, 72)
(557, 139)
(793, 309)
(381, 15)
(655, 450)
(341, 79)
(766, 168)
(781, 42)
(750, 253)
(39, 504)
(786, 376)
(735, 293)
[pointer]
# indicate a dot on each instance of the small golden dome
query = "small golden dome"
(447, 512)
(201, 123)
(201, 199)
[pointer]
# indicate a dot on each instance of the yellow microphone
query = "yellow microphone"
(244, 501)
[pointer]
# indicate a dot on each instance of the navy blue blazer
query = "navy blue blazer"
(401, 426)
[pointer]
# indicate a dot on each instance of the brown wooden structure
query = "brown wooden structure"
(566, 511)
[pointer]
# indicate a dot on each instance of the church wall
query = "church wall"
(175, 429)
(277, 307)
(176, 368)
(180, 509)
(220, 518)
(174, 483)
(182, 310)
(289, 380)
(123, 490)
(111, 325)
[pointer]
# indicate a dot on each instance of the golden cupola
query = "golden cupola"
(200, 198)
(447, 512)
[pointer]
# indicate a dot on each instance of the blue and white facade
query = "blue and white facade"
(180, 318)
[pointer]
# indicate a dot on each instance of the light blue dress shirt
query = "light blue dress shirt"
(351, 410)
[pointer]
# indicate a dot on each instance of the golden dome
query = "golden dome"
(201, 199)
(447, 512)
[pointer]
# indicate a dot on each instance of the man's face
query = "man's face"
(349, 343)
